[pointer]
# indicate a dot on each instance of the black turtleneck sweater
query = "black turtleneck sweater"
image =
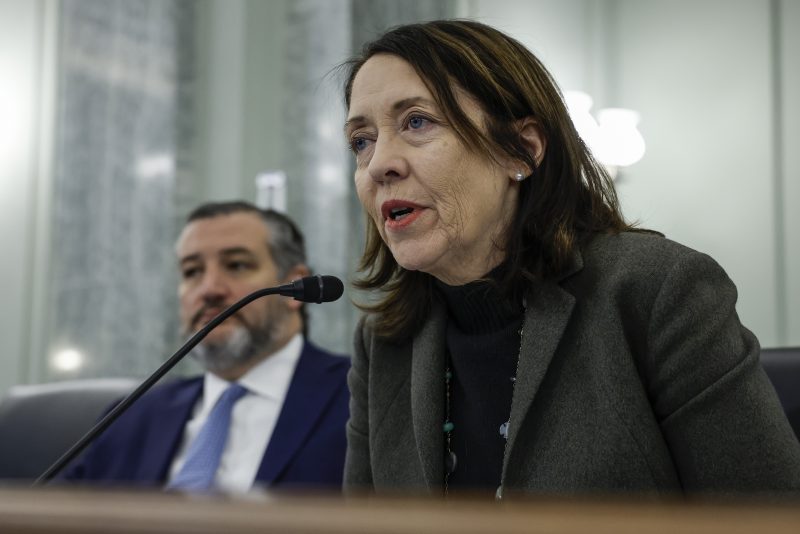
(483, 344)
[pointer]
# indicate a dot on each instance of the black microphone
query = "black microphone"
(317, 289)
(309, 289)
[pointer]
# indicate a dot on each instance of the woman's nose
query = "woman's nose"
(388, 161)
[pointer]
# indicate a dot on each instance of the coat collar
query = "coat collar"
(549, 308)
(548, 311)
(310, 391)
(427, 393)
(164, 437)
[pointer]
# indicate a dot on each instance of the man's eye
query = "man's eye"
(238, 266)
(190, 272)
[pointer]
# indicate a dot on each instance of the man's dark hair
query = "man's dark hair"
(285, 241)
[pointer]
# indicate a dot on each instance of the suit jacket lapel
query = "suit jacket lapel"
(306, 398)
(165, 434)
(427, 394)
(548, 310)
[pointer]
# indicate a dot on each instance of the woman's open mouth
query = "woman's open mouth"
(398, 214)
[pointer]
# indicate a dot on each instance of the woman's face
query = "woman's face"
(440, 207)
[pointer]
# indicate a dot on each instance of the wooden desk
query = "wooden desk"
(27, 511)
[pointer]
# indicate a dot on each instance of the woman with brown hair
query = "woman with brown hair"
(524, 337)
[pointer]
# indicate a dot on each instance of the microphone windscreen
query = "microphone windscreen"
(318, 289)
(332, 288)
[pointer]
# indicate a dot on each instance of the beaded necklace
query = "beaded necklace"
(450, 458)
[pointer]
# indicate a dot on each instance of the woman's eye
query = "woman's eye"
(415, 122)
(358, 144)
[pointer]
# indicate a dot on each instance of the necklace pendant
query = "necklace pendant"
(504, 430)
(450, 462)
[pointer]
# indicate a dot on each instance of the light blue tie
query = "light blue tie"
(202, 460)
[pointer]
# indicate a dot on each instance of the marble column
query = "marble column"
(322, 34)
(124, 86)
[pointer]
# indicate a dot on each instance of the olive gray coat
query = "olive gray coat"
(635, 376)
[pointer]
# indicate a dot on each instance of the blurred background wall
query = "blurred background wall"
(118, 116)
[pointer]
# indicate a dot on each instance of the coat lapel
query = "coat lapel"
(548, 310)
(427, 394)
(308, 395)
(165, 434)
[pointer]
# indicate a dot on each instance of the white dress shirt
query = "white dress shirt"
(252, 421)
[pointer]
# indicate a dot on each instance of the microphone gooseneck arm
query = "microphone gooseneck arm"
(299, 289)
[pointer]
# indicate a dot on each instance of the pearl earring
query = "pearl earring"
(519, 177)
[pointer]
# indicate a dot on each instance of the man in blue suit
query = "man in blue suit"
(288, 428)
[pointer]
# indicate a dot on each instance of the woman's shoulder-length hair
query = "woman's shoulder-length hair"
(568, 196)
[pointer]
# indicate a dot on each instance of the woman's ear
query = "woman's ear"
(534, 139)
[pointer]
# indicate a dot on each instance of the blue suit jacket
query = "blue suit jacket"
(306, 449)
